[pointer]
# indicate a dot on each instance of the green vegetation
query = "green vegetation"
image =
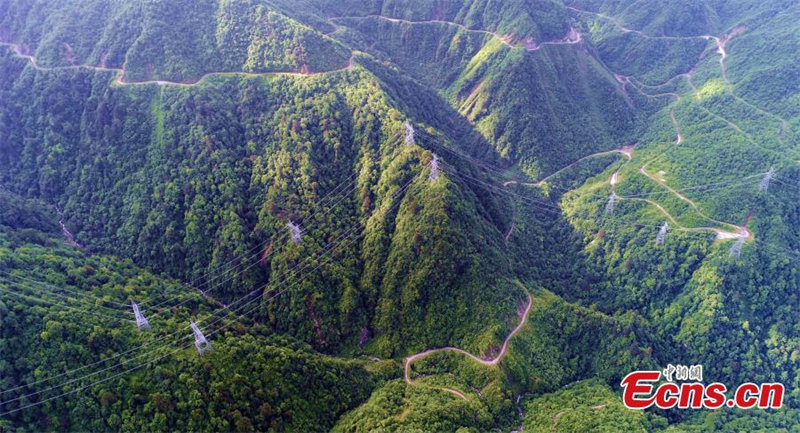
(178, 41)
(285, 384)
(518, 100)
(588, 405)
(399, 407)
(186, 193)
(300, 117)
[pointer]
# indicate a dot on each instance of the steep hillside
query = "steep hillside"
(528, 80)
(201, 181)
(718, 164)
(66, 318)
(447, 389)
(589, 406)
(394, 215)
(167, 40)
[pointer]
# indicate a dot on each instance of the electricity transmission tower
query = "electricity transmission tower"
(141, 321)
(200, 341)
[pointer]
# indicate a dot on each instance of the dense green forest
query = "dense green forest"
(394, 215)
(61, 331)
(166, 40)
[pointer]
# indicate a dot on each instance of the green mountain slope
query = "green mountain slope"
(168, 40)
(551, 143)
(541, 99)
(449, 390)
(586, 406)
(52, 336)
(698, 167)
(190, 187)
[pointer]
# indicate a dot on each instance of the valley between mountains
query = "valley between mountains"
(394, 216)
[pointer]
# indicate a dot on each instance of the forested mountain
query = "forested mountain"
(394, 215)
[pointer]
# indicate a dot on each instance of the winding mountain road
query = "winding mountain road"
(624, 29)
(737, 231)
(487, 362)
(624, 81)
(627, 151)
(120, 80)
(572, 37)
(723, 52)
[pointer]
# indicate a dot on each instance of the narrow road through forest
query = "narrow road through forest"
(625, 150)
(572, 37)
(488, 362)
(120, 80)
(721, 45)
(624, 29)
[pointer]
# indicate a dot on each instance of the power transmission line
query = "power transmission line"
(140, 356)
(40, 287)
(69, 372)
(44, 283)
(257, 250)
(56, 304)
(350, 232)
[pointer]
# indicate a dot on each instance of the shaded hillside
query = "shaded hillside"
(167, 40)
(202, 182)
(540, 98)
(385, 184)
(64, 315)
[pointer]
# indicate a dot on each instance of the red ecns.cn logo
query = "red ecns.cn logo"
(641, 391)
